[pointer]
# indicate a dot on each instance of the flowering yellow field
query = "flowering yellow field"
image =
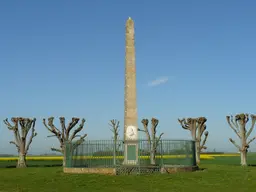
(59, 158)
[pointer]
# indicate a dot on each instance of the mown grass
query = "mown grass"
(214, 178)
(234, 160)
(221, 174)
(40, 163)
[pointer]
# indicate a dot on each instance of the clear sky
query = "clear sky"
(66, 58)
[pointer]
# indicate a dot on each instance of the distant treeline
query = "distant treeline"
(7, 155)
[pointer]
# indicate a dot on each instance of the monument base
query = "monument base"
(132, 169)
(131, 152)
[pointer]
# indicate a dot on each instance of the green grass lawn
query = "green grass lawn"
(12, 164)
(251, 159)
(222, 174)
(215, 178)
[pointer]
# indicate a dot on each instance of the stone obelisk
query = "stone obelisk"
(130, 103)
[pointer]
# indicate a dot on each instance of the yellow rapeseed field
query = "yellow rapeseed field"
(58, 158)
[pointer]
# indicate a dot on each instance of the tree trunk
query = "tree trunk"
(152, 153)
(197, 152)
(243, 149)
(21, 161)
(64, 161)
(243, 155)
(115, 147)
(197, 146)
(64, 158)
(152, 157)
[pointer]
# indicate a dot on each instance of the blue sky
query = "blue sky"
(66, 58)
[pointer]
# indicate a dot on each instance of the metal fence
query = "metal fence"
(111, 154)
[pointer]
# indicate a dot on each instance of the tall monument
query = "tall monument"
(130, 103)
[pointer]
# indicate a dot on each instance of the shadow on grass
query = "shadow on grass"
(252, 165)
(201, 169)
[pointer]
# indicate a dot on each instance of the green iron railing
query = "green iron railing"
(110, 153)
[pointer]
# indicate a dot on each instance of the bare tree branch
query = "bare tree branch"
(251, 140)
(33, 134)
(158, 139)
(14, 128)
(202, 146)
(71, 125)
(14, 143)
(53, 129)
(183, 123)
(81, 126)
(231, 126)
(232, 141)
(234, 123)
(57, 150)
(114, 124)
(253, 117)
(154, 124)
(246, 118)
(145, 126)
(63, 126)
(79, 141)
(9, 126)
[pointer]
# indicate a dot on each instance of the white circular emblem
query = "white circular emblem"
(131, 132)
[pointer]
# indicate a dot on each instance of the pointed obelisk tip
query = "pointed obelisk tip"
(129, 21)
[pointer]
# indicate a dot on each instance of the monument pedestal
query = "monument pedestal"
(131, 152)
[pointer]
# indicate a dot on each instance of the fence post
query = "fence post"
(161, 148)
(114, 160)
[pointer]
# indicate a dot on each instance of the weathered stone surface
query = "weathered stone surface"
(170, 170)
(130, 104)
(105, 171)
(129, 170)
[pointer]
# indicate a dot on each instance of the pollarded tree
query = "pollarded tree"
(153, 140)
(197, 127)
(21, 135)
(64, 134)
(239, 127)
(114, 124)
